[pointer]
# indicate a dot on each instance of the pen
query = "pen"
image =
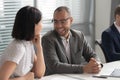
(100, 76)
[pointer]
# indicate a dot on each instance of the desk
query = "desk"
(82, 76)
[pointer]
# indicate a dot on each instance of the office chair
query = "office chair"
(99, 42)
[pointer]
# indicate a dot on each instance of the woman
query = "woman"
(19, 61)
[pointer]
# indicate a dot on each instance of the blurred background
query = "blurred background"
(90, 16)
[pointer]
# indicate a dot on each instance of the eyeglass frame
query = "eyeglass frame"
(62, 21)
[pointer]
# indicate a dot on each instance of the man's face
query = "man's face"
(62, 22)
(118, 20)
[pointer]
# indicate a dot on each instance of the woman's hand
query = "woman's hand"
(37, 40)
(29, 76)
(39, 64)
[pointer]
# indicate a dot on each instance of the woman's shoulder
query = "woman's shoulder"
(19, 42)
(15, 45)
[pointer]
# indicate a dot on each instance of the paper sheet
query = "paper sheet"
(108, 69)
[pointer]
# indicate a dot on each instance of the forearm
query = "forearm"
(40, 64)
(19, 78)
(66, 68)
(28, 76)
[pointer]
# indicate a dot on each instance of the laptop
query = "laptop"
(116, 73)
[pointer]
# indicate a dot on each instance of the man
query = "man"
(111, 38)
(66, 50)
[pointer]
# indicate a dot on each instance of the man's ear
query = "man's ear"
(71, 18)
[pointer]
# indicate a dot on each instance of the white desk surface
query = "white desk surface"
(107, 66)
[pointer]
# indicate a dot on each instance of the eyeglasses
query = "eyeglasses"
(62, 21)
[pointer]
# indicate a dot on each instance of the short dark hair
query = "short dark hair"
(62, 8)
(25, 20)
(117, 11)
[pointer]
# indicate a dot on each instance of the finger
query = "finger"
(96, 69)
(92, 61)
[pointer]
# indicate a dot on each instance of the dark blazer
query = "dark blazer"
(54, 53)
(111, 43)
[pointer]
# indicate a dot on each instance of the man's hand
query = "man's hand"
(92, 67)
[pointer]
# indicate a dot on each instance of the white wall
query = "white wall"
(102, 20)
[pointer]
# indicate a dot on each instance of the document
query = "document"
(115, 73)
(111, 69)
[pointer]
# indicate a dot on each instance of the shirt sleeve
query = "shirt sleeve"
(14, 52)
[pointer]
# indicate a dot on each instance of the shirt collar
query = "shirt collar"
(118, 27)
(63, 38)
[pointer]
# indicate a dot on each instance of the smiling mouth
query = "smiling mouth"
(61, 30)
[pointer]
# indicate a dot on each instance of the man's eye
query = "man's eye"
(63, 21)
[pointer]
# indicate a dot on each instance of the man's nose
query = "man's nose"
(59, 24)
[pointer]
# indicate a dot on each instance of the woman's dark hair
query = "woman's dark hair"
(24, 25)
